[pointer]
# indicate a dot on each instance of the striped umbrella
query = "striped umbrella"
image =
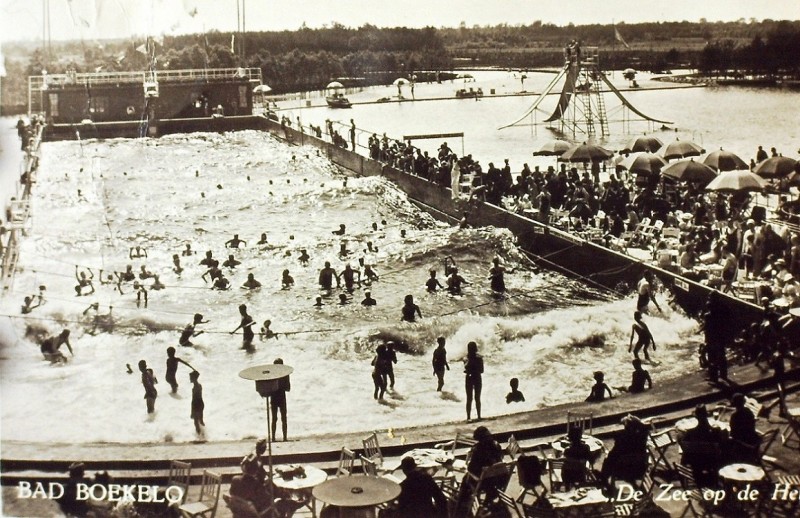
(737, 181)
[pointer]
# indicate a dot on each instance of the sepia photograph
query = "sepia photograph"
(444, 259)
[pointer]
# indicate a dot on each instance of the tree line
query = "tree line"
(307, 59)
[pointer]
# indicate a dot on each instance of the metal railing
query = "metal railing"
(90, 78)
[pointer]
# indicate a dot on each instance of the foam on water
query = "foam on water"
(550, 332)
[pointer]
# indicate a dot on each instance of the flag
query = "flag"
(233, 49)
(618, 37)
(142, 48)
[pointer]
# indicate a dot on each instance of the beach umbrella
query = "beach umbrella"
(554, 147)
(737, 181)
(689, 171)
(642, 143)
(681, 149)
(585, 153)
(643, 163)
(335, 84)
(776, 167)
(262, 89)
(722, 160)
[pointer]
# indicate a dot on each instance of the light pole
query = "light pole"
(270, 378)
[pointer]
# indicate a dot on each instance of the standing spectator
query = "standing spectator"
(473, 370)
(440, 362)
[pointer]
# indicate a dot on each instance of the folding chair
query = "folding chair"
(554, 468)
(698, 505)
(347, 460)
(372, 449)
(530, 469)
(456, 446)
(659, 445)
(206, 505)
(513, 448)
(670, 233)
(495, 476)
(180, 474)
(371, 469)
(512, 506)
(791, 432)
(582, 421)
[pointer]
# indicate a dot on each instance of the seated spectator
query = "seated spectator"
(577, 458)
(419, 493)
(743, 422)
(628, 458)
(69, 502)
(486, 452)
(701, 447)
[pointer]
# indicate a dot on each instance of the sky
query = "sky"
(101, 19)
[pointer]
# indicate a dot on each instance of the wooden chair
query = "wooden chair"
(461, 443)
(512, 506)
(659, 445)
(582, 421)
(206, 505)
(697, 505)
(513, 448)
(758, 454)
(347, 460)
(554, 467)
(371, 469)
(180, 475)
(791, 432)
(671, 233)
(372, 450)
(530, 469)
(495, 476)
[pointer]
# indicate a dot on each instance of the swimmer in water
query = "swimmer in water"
(128, 275)
(28, 305)
(176, 264)
(644, 337)
(410, 311)
(343, 300)
(266, 333)
(221, 284)
(144, 273)
(189, 332)
(97, 319)
(109, 279)
(433, 284)
(50, 347)
(326, 277)
(368, 300)
(231, 262)
(263, 240)
(137, 252)
(343, 251)
(599, 389)
(234, 242)
(341, 231)
(213, 273)
(455, 282)
(187, 251)
(318, 303)
(496, 276)
(83, 281)
(157, 284)
(246, 325)
(370, 274)
(251, 283)
(349, 277)
(304, 257)
(287, 281)
(209, 261)
(515, 396)
(149, 383)
(449, 265)
(172, 368)
(141, 294)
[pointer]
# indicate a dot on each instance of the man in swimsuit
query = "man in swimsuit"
(189, 331)
(645, 290)
(246, 325)
(410, 310)
(176, 261)
(304, 257)
(433, 284)
(234, 242)
(149, 384)
(83, 281)
(209, 261)
(172, 369)
(454, 282)
(137, 252)
(439, 362)
(50, 347)
(231, 262)
(644, 337)
(368, 300)
(326, 276)
(349, 276)
(251, 283)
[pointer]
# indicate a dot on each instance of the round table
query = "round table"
(357, 491)
(313, 477)
(561, 444)
(741, 472)
(687, 423)
(430, 458)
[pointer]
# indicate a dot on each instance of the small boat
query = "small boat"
(338, 100)
(463, 93)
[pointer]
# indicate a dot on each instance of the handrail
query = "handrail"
(80, 78)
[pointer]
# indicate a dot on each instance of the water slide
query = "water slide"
(628, 104)
(544, 94)
(566, 93)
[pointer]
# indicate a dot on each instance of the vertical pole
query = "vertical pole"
(269, 442)
(244, 32)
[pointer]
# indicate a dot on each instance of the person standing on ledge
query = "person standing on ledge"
(473, 370)
(197, 403)
(353, 134)
(277, 403)
(439, 362)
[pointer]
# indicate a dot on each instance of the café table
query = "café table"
(357, 495)
(738, 476)
(583, 501)
(428, 459)
(687, 423)
(561, 444)
(300, 481)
